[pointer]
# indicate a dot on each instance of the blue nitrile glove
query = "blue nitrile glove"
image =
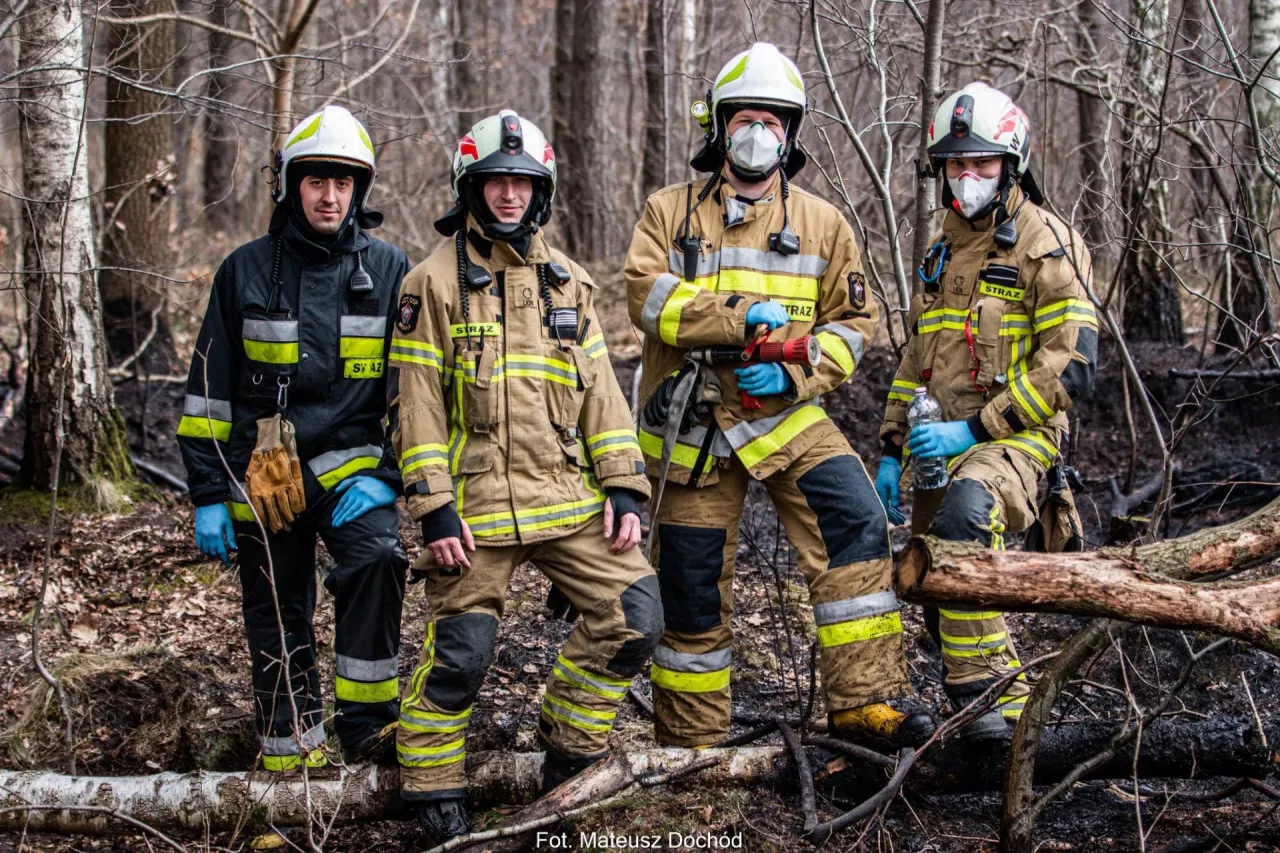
(214, 531)
(359, 495)
(887, 479)
(946, 439)
(761, 380)
(770, 314)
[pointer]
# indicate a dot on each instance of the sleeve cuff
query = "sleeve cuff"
(441, 523)
(891, 449)
(993, 423)
(980, 432)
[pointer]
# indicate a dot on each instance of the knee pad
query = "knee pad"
(965, 514)
(850, 519)
(690, 562)
(464, 650)
(642, 609)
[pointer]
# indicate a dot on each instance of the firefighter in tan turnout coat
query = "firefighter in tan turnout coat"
(1005, 337)
(712, 264)
(515, 444)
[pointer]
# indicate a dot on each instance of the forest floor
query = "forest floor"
(146, 635)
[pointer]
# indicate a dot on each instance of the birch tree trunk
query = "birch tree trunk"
(69, 399)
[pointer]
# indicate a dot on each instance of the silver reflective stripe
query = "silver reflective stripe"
(311, 739)
(720, 446)
(493, 524)
(578, 678)
(430, 357)
(851, 337)
(199, 407)
(433, 758)
(596, 446)
(363, 327)
(515, 362)
(335, 459)
(849, 609)
(560, 708)
(560, 514)
(367, 670)
(275, 331)
(685, 662)
(990, 645)
(662, 287)
(757, 259)
(410, 717)
(707, 264)
(694, 438)
(742, 434)
(423, 454)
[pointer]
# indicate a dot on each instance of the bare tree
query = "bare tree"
(71, 418)
(221, 147)
(139, 175)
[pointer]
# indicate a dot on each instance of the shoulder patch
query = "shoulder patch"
(857, 289)
(407, 315)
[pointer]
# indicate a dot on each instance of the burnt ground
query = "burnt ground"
(146, 635)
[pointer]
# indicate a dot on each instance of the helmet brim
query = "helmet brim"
(950, 146)
(500, 163)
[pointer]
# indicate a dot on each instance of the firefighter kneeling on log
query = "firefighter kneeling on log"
(712, 265)
(284, 418)
(1005, 338)
(516, 445)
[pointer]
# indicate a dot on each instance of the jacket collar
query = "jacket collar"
(739, 209)
(353, 239)
(498, 254)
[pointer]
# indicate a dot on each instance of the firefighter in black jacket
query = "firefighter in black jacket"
(284, 427)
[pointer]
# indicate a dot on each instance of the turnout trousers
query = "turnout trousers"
(617, 595)
(841, 538)
(367, 584)
(992, 492)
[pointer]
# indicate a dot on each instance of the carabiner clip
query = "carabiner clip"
(282, 393)
(938, 254)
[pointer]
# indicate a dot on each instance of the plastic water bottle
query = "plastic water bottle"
(926, 473)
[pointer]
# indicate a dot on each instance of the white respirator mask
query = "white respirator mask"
(973, 192)
(755, 150)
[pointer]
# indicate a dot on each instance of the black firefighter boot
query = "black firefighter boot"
(559, 768)
(442, 818)
(991, 723)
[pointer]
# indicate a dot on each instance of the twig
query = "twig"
(850, 749)
(823, 831)
(641, 700)
(749, 736)
(547, 820)
(1262, 733)
(808, 802)
(110, 812)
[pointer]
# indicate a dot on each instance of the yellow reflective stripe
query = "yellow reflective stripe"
(1015, 325)
(684, 455)
(1033, 443)
(611, 440)
(689, 682)
(768, 284)
(902, 390)
(1029, 399)
(969, 647)
(272, 353)
(203, 427)
(837, 349)
(239, 511)
(669, 317)
(942, 318)
(281, 763)
(432, 756)
(970, 615)
(461, 330)
(366, 691)
(432, 454)
(431, 722)
(766, 445)
(1057, 313)
(415, 352)
(859, 630)
(601, 680)
(329, 479)
(595, 347)
(420, 674)
(578, 716)
(359, 347)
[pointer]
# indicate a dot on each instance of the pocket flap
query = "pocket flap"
(476, 461)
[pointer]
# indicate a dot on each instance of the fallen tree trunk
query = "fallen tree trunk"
(1144, 584)
(223, 801)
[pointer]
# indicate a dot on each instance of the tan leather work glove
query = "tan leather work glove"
(274, 478)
